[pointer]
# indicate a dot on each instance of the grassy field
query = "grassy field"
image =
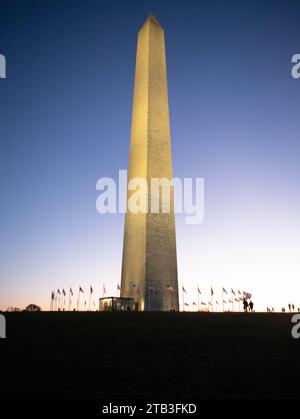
(149, 355)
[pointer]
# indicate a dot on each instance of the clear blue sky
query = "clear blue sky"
(65, 114)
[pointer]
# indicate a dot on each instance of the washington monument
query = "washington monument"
(149, 267)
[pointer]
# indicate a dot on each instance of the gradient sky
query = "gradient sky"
(65, 115)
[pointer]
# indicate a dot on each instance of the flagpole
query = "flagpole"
(223, 298)
(70, 298)
(78, 299)
(183, 299)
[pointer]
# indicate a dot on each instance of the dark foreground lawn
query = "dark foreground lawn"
(149, 355)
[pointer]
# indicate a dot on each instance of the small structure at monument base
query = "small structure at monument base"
(116, 304)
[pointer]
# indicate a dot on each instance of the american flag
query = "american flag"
(247, 295)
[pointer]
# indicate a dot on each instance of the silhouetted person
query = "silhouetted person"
(245, 305)
(293, 307)
(283, 309)
(273, 309)
(290, 307)
(251, 305)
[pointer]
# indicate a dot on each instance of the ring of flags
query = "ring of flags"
(62, 299)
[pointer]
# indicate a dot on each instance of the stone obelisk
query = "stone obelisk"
(149, 268)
